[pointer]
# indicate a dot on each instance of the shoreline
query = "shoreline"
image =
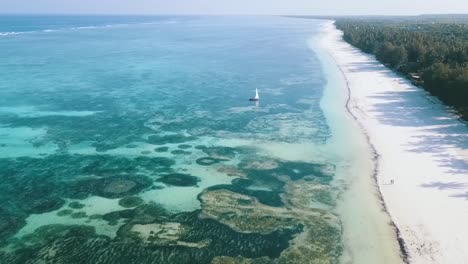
(368, 237)
(375, 173)
(422, 155)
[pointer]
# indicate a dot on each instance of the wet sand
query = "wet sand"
(420, 150)
(368, 233)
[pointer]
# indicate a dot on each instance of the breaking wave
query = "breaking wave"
(11, 33)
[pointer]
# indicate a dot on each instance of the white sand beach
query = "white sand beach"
(421, 147)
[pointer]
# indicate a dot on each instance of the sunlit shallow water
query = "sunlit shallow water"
(132, 140)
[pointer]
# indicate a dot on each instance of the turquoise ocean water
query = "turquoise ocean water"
(132, 140)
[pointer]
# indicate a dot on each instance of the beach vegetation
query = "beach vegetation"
(432, 53)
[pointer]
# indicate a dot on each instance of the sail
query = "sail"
(256, 94)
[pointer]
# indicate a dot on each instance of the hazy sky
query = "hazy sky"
(312, 7)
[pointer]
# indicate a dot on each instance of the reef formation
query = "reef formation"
(273, 211)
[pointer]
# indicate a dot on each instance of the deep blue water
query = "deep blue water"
(110, 125)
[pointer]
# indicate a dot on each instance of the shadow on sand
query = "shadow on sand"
(445, 185)
(439, 130)
(414, 107)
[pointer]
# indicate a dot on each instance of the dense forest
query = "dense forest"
(431, 51)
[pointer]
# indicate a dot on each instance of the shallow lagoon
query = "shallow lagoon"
(158, 110)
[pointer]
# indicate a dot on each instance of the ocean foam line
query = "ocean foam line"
(10, 33)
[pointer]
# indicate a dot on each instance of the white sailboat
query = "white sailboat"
(256, 98)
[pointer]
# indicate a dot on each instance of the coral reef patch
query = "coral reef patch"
(169, 139)
(179, 179)
(129, 202)
(161, 149)
(207, 161)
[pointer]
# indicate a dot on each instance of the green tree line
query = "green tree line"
(433, 55)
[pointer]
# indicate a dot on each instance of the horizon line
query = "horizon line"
(227, 14)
